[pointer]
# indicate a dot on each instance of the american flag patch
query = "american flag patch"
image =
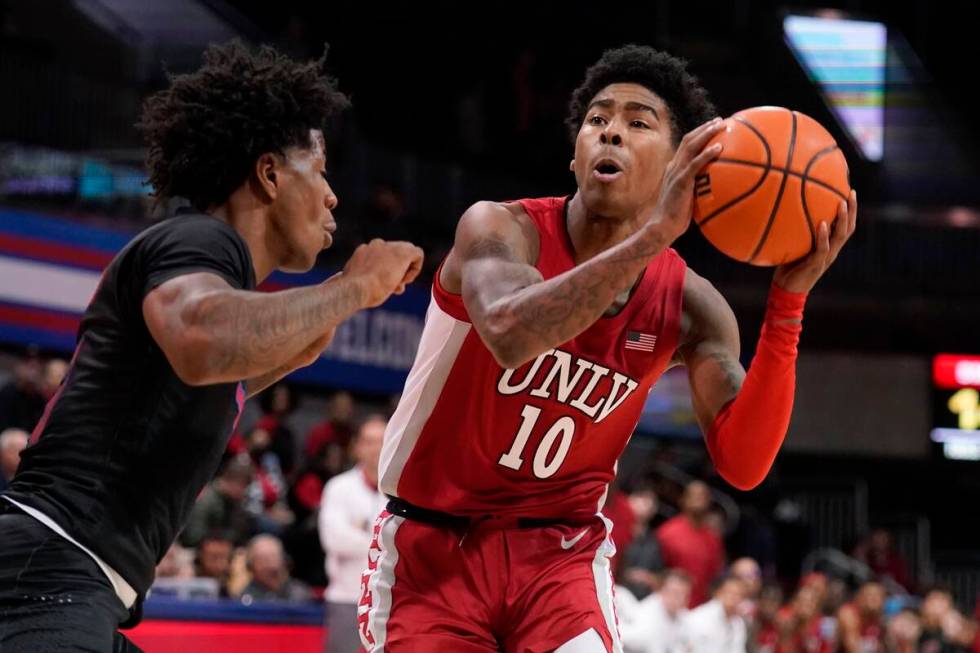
(640, 341)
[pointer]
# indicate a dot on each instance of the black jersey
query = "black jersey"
(125, 446)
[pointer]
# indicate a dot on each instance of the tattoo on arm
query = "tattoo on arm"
(731, 369)
(255, 333)
(550, 312)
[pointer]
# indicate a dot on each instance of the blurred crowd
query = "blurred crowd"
(290, 512)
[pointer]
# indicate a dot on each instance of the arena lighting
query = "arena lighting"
(846, 60)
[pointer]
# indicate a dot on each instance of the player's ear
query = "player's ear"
(266, 177)
(571, 166)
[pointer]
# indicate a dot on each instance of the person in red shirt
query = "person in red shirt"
(763, 630)
(801, 624)
(688, 543)
(860, 621)
(336, 430)
(879, 553)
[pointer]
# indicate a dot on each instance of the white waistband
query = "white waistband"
(123, 590)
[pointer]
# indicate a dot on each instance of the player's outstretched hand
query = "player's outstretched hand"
(802, 275)
(676, 201)
(384, 268)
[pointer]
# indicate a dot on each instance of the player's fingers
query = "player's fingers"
(852, 209)
(823, 241)
(842, 226)
(706, 156)
(700, 137)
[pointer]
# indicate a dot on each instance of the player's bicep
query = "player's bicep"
(711, 349)
(169, 311)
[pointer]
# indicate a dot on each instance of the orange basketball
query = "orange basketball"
(779, 176)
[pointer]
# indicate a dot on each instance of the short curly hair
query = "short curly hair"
(205, 131)
(660, 72)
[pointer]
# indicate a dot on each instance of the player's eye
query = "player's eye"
(639, 124)
(596, 120)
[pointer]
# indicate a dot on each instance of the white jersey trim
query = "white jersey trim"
(442, 338)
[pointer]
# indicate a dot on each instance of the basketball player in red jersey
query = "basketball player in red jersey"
(551, 319)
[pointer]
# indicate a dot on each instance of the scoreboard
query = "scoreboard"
(956, 405)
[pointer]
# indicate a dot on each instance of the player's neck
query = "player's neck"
(592, 233)
(251, 221)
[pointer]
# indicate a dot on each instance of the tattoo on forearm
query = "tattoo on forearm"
(560, 308)
(256, 332)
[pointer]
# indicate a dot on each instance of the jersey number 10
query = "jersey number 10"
(564, 428)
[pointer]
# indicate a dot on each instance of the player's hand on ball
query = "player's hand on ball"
(676, 201)
(384, 268)
(802, 275)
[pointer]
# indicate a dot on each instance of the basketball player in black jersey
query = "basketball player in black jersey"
(175, 339)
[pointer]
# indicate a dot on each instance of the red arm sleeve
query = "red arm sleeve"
(748, 431)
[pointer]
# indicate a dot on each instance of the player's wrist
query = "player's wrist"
(784, 307)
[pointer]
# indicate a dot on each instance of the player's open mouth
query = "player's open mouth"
(607, 170)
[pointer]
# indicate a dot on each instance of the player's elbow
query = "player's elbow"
(191, 357)
(743, 479)
(500, 335)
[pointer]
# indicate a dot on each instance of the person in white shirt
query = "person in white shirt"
(351, 503)
(656, 622)
(716, 626)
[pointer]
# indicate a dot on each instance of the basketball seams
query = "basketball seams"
(804, 178)
(758, 183)
(782, 188)
(785, 171)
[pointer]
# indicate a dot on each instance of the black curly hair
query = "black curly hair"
(205, 131)
(659, 72)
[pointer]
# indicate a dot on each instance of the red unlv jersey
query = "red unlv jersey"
(471, 438)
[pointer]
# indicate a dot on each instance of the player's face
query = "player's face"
(305, 202)
(622, 150)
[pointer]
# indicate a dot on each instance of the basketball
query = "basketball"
(779, 176)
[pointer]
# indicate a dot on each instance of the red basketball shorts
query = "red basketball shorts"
(485, 589)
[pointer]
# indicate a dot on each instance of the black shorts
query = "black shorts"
(53, 597)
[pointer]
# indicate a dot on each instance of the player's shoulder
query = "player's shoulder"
(190, 227)
(506, 222)
(488, 213)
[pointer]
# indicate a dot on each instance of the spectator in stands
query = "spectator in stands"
(21, 399)
(351, 503)
(937, 604)
(178, 563)
(266, 562)
(944, 629)
(277, 404)
(335, 431)
(716, 626)
(861, 622)
(656, 623)
(54, 372)
(878, 551)
(617, 509)
(266, 495)
(220, 507)
(763, 630)
(642, 562)
(802, 628)
(12, 442)
(213, 558)
(903, 632)
(687, 543)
